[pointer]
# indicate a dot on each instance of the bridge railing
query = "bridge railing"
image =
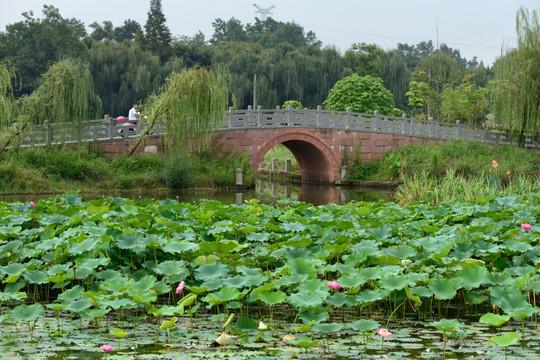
(109, 129)
(348, 120)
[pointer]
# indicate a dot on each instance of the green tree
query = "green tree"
(437, 71)
(366, 59)
(517, 84)
(360, 94)
(228, 31)
(105, 31)
(412, 54)
(191, 104)
(8, 105)
(396, 77)
(466, 103)
(124, 74)
(127, 31)
(33, 45)
(193, 50)
(157, 37)
(66, 94)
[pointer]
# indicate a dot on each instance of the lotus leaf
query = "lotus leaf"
(36, 276)
(272, 297)
(15, 269)
(167, 324)
(473, 277)
(396, 282)
(212, 271)
(445, 289)
(327, 328)
(366, 297)
(26, 313)
(303, 300)
(258, 237)
(293, 227)
(171, 267)
(508, 298)
(402, 252)
(506, 339)
(119, 333)
(179, 247)
(447, 326)
(84, 246)
(79, 305)
(494, 319)
(364, 325)
(246, 324)
(71, 294)
(303, 342)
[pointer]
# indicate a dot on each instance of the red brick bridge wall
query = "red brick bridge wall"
(319, 152)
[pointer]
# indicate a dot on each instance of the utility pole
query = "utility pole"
(254, 91)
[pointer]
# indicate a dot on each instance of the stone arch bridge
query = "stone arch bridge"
(321, 141)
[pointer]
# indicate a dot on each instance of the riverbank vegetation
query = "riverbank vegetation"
(453, 170)
(53, 170)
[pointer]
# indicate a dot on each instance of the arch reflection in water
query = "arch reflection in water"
(316, 194)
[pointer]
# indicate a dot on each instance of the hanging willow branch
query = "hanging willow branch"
(8, 105)
(191, 104)
(67, 94)
(517, 85)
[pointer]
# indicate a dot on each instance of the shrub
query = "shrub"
(178, 172)
(293, 103)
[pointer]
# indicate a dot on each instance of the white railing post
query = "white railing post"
(349, 119)
(319, 115)
(259, 116)
(112, 128)
(376, 121)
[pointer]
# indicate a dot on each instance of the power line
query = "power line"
(397, 37)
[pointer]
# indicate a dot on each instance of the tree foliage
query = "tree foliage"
(466, 102)
(157, 37)
(125, 74)
(33, 45)
(106, 31)
(66, 94)
(361, 94)
(8, 104)
(191, 104)
(268, 33)
(517, 84)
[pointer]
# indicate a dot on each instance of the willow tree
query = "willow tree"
(66, 94)
(517, 85)
(191, 104)
(8, 105)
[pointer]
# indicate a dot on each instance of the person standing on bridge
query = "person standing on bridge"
(133, 114)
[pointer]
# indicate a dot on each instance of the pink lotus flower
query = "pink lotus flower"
(526, 226)
(508, 172)
(180, 287)
(384, 333)
(106, 348)
(333, 285)
(32, 205)
(494, 163)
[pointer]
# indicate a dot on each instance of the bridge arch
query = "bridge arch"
(316, 160)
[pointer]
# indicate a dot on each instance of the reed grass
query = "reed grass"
(452, 186)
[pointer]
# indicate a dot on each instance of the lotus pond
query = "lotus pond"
(123, 279)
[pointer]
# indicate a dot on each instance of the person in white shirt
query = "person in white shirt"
(133, 114)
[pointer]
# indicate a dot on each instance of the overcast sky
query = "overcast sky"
(476, 27)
